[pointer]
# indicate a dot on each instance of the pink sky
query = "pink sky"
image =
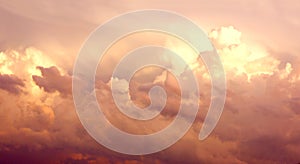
(258, 43)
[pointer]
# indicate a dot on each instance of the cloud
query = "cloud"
(225, 36)
(36, 117)
(240, 57)
(263, 85)
(11, 83)
(51, 81)
(263, 96)
(257, 150)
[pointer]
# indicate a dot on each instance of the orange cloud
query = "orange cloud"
(260, 123)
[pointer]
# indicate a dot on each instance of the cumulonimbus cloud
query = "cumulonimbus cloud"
(260, 86)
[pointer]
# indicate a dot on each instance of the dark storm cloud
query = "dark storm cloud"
(51, 81)
(11, 83)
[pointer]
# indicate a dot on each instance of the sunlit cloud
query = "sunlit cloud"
(258, 45)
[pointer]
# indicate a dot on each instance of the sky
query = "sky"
(258, 43)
